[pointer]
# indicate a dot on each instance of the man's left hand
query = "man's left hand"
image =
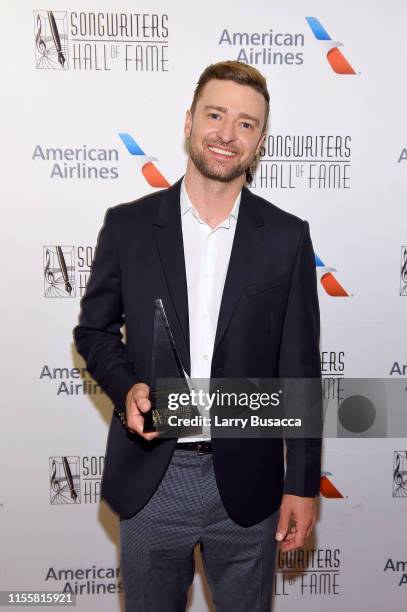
(297, 519)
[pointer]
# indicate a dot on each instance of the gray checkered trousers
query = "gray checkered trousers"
(157, 545)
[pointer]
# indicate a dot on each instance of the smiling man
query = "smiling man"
(237, 278)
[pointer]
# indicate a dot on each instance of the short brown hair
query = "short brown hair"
(238, 73)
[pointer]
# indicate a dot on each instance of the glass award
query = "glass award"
(169, 380)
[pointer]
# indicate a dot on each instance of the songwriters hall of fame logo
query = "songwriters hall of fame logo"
(403, 271)
(64, 480)
(400, 473)
(59, 271)
(51, 40)
(75, 480)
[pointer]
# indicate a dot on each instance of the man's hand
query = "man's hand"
(137, 403)
(302, 512)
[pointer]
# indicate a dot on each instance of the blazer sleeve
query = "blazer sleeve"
(300, 359)
(97, 336)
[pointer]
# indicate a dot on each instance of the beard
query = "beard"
(215, 169)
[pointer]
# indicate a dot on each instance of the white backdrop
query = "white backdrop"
(64, 163)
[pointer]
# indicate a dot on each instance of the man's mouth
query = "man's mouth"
(225, 152)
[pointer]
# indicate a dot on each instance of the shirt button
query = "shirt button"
(206, 357)
(205, 316)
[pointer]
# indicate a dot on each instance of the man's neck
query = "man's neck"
(212, 199)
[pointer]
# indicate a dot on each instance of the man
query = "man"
(237, 279)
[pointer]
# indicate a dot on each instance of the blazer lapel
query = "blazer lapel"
(246, 243)
(168, 232)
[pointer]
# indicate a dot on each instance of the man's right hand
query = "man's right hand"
(137, 404)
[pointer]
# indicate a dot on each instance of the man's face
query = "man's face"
(225, 132)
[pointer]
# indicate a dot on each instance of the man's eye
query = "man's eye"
(214, 115)
(247, 125)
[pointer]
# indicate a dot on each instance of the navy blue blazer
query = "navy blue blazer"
(268, 327)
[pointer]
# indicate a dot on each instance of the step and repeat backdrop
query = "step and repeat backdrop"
(93, 105)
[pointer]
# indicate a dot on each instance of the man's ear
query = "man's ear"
(260, 143)
(188, 123)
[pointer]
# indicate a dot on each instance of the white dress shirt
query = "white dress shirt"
(207, 253)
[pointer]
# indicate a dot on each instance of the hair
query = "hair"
(239, 73)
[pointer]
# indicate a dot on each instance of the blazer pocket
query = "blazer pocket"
(255, 288)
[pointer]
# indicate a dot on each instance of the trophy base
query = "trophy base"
(183, 422)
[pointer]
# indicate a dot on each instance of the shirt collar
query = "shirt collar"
(187, 206)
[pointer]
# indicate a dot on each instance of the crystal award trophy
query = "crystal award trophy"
(168, 377)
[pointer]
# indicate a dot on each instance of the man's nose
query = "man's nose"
(226, 132)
